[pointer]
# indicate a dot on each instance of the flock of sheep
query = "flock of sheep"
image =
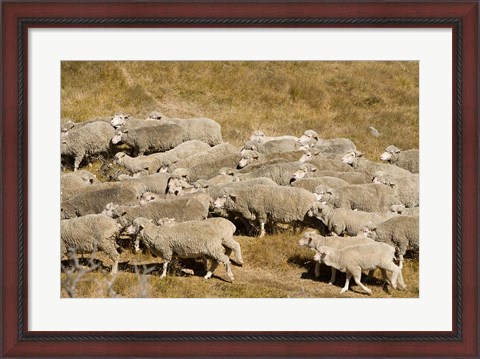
(185, 193)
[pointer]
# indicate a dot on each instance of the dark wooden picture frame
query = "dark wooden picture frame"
(18, 17)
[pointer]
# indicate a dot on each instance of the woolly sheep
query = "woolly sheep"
(156, 182)
(253, 157)
(312, 141)
(266, 203)
(259, 137)
(159, 138)
(405, 189)
(365, 197)
(90, 233)
(401, 232)
(311, 183)
(345, 221)
(194, 239)
(182, 209)
(352, 260)
(400, 209)
(325, 164)
(71, 182)
(206, 164)
(127, 122)
(350, 177)
(273, 146)
(88, 140)
(405, 159)
(313, 241)
(140, 164)
(359, 164)
(281, 173)
(92, 199)
(182, 151)
(202, 129)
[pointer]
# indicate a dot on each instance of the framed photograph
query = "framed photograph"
(343, 79)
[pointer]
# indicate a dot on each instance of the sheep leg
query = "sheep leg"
(109, 249)
(347, 282)
(357, 275)
(262, 229)
(396, 275)
(400, 261)
(231, 244)
(165, 265)
(78, 160)
(333, 276)
(317, 269)
(212, 269)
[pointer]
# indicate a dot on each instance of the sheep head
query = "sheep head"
(119, 119)
(248, 157)
(351, 157)
(324, 193)
(119, 136)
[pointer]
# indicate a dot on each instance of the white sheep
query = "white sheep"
(93, 199)
(88, 140)
(282, 173)
(365, 197)
(335, 146)
(71, 182)
(346, 221)
(405, 159)
(352, 260)
(260, 137)
(90, 233)
(360, 164)
(140, 164)
(201, 129)
(252, 157)
(156, 182)
(311, 183)
(264, 204)
(406, 189)
(273, 146)
(181, 208)
(159, 138)
(313, 241)
(350, 177)
(400, 232)
(194, 239)
(206, 164)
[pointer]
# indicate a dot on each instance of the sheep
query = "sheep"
(202, 129)
(182, 209)
(71, 182)
(366, 197)
(194, 239)
(92, 199)
(159, 138)
(281, 173)
(90, 233)
(311, 183)
(273, 146)
(156, 182)
(267, 203)
(400, 209)
(253, 157)
(405, 159)
(205, 165)
(311, 140)
(352, 260)
(121, 120)
(68, 124)
(405, 189)
(88, 140)
(400, 232)
(139, 164)
(345, 221)
(259, 137)
(350, 177)
(182, 151)
(313, 241)
(325, 164)
(359, 164)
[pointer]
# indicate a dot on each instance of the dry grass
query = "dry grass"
(338, 99)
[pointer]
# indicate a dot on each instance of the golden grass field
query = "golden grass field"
(337, 99)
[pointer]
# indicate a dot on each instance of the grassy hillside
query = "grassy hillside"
(337, 99)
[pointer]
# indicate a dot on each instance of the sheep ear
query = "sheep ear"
(233, 196)
(358, 153)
